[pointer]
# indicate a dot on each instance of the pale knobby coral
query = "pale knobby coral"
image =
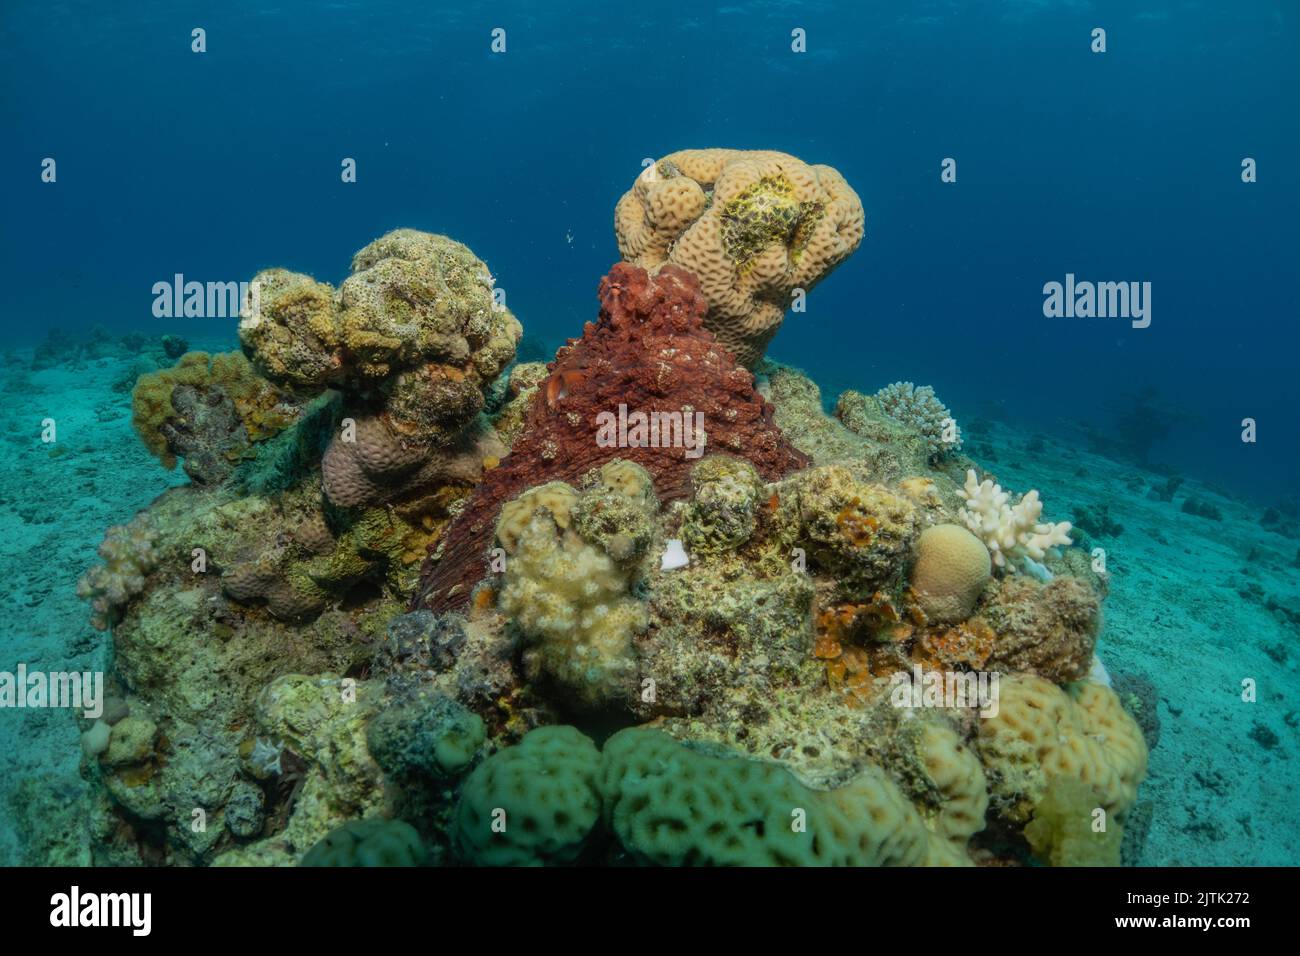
(130, 553)
(920, 409)
(1012, 533)
(568, 592)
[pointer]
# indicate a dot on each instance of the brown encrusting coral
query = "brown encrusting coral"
(648, 355)
(1045, 629)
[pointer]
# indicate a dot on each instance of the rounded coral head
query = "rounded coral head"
(952, 566)
(414, 301)
(755, 226)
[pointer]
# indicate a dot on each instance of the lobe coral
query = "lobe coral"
(649, 352)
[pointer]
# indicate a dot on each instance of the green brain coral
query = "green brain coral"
(674, 805)
(368, 843)
(531, 804)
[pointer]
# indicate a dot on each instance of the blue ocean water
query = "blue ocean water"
(1117, 166)
(1122, 166)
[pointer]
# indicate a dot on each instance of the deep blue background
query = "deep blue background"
(1122, 166)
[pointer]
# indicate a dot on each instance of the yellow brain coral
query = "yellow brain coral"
(954, 773)
(753, 225)
(1042, 733)
(952, 567)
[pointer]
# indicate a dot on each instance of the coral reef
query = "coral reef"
(208, 591)
(357, 636)
(648, 354)
(754, 226)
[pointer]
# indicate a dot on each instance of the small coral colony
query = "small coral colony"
(409, 578)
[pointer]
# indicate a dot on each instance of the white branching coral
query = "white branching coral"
(1011, 532)
(920, 408)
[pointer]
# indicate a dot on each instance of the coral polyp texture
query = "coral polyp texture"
(952, 567)
(208, 410)
(402, 571)
(646, 383)
(753, 225)
(1043, 733)
(570, 568)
